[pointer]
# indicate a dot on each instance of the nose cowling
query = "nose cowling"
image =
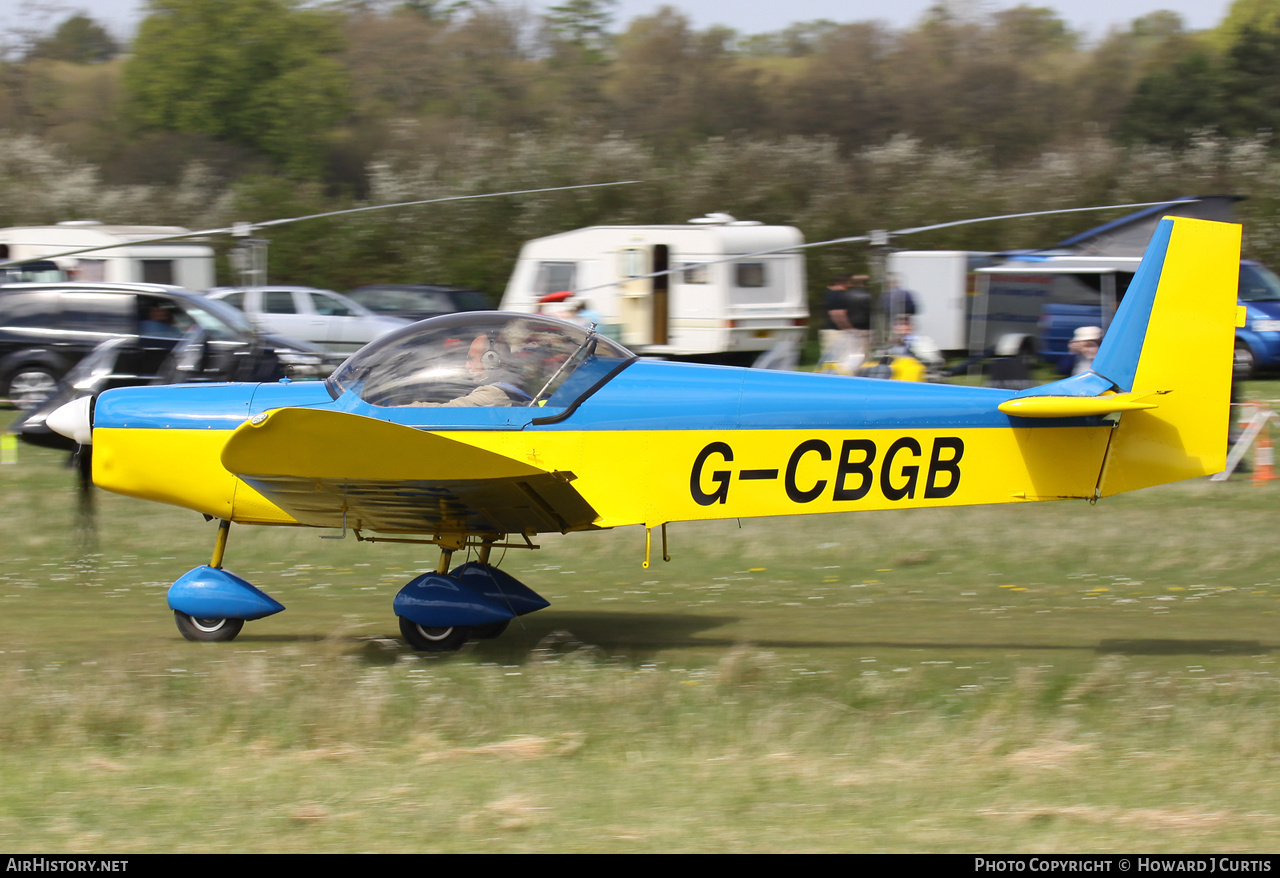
(73, 420)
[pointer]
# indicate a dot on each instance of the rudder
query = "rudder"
(1174, 335)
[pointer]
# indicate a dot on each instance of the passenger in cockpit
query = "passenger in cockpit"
(488, 364)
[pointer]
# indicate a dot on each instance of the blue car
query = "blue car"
(1257, 342)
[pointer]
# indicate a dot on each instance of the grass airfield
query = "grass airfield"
(1047, 677)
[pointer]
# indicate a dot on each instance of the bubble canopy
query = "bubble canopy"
(476, 358)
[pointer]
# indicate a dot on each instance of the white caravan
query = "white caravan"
(181, 263)
(728, 310)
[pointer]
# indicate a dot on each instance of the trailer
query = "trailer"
(977, 302)
(730, 310)
(942, 282)
(180, 263)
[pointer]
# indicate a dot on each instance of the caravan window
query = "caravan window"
(749, 274)
(90, 270)
(693, 274)
(632, 263)
(157, 271)
(555, 277)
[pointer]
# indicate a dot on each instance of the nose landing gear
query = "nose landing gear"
(211, 605)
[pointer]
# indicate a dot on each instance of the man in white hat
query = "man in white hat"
(1084, 344)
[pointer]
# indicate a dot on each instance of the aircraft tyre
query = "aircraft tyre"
(207, 630)
(490, 631)
(425, 639)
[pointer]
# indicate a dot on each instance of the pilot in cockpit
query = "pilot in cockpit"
(489, 365)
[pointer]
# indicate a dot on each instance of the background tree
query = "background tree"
(674, 85)
(79, 40)
(1250, 81)
(259, 73)
(579, 55)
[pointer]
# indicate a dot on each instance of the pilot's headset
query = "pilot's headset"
(494, 353)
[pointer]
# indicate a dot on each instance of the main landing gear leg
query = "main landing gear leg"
(211, 604)
(427, 637)
(493, 629)
(441, 611)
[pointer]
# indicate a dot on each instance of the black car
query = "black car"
(46, 328)
(418, 301)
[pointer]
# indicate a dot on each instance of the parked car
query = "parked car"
(414, 302)
(322, 317)
(1257, 342)
(46, 328)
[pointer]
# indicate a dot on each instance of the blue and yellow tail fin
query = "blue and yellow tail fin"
(1182, 322)
(1164, 366)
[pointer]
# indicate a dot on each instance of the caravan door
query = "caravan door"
(644, 304)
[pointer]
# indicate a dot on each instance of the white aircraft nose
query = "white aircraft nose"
(72, 420)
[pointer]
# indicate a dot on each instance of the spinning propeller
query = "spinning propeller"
(244, 229)
(878, 238)
(50, 421)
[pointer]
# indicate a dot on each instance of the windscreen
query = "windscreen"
(524, 360)
(1258, 284)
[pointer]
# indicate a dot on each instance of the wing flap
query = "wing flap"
(335, 469)
(536, 504)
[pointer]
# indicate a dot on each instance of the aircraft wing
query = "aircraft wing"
(330, 469)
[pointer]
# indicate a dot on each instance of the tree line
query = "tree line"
(222, 110)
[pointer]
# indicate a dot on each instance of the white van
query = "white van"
(729, 310)
(177, 263)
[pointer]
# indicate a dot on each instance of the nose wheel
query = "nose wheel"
(207, 630)
(211, 605)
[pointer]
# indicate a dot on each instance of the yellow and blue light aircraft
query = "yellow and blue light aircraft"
(485, 429)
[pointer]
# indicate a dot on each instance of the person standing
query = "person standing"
(858, 336)
(848, 324)
(836, 305)
(1084, 344)
(902, 302)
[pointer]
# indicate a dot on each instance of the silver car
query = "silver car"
(322, 317)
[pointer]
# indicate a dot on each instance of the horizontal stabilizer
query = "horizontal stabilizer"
(1077, 406)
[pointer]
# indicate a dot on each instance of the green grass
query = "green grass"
(1049, 677)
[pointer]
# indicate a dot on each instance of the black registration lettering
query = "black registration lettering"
(861, 469)
(854, 473)
(793, 490)
(908, 488)
(719, 477)
(938, 466)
